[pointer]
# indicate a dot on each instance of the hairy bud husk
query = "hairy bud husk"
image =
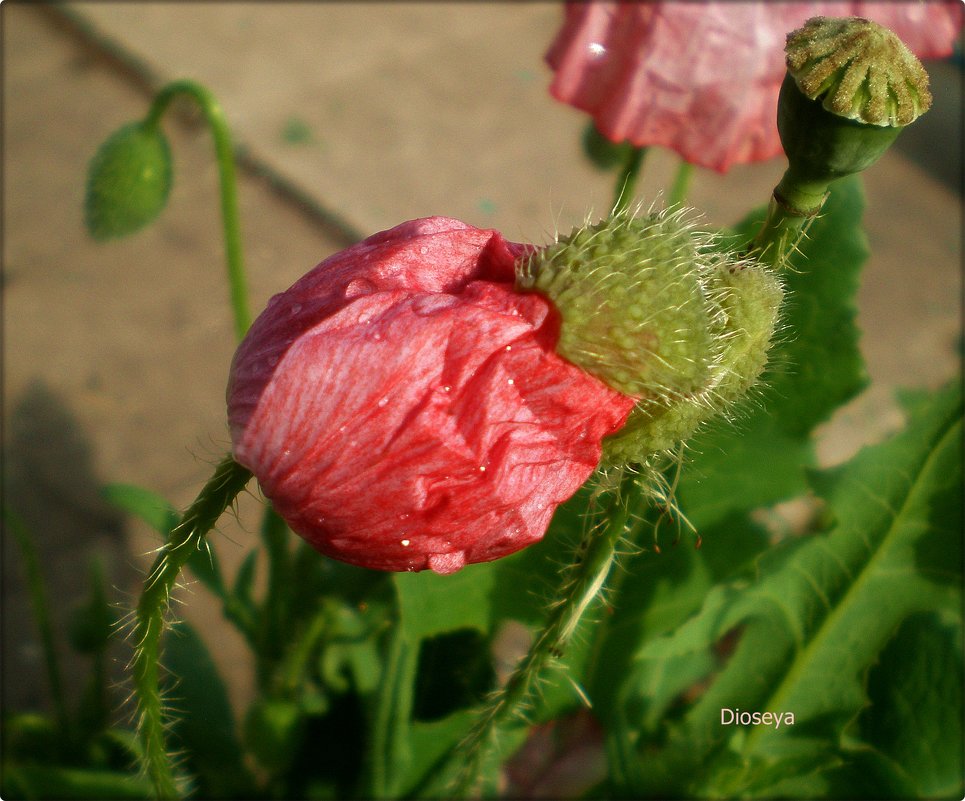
(655, 309)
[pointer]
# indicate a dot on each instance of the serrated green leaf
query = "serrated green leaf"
(913, 723)
(817, 617)
(814, 368)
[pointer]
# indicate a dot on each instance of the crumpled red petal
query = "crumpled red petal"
(703, 78)
(403, 408)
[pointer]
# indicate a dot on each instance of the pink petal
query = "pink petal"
(425, 421)
(703, 78)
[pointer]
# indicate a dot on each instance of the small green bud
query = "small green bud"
(850, 88)
(655, 309)
(128, 181)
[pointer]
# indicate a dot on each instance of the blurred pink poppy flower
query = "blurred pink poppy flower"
(703, 78)
(403, 407)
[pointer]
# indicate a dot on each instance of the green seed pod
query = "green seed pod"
(128, 181)
(850, 88)
(654, 309)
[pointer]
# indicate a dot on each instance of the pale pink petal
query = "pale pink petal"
(703, 78)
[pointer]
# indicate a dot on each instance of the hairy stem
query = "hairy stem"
(592, 563)
(185, 538)
(214, 116)
(793, 207)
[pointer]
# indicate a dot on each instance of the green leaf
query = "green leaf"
(143, 503)
(92, 623)
(911, 731)
(432, 604)
(274, 730)
(48, 781)
(245, 578)
(204, 725)
(602, 153)
(813, 623)
(162, 517)
(128, 181)
(815, 367)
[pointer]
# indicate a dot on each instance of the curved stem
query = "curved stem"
(224, 151)
(591, 567)
(627, 180)
(185, 538)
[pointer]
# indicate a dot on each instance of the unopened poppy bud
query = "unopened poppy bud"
(403, 405)
(426, 398)
(850, 88)
(128, 181)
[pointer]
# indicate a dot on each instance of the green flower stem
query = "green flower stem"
(186, 537)
(793, 207)
(214, 116)
(594, 559)
(627, 180)
(681, 184)
(274, 613)
(391, 709)
(41, 611)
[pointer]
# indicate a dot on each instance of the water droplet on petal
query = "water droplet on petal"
(359, 286)
(447, 562)
(296, 307)
(510, 381)
(596, 50)
(405, 543)
(384, 401)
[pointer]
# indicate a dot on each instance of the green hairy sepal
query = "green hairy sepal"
(654, 308)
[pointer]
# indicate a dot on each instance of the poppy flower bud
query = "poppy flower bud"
(128, 181)
(426, 398)
(403, 406)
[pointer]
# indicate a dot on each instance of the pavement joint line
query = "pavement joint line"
(146, 80)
